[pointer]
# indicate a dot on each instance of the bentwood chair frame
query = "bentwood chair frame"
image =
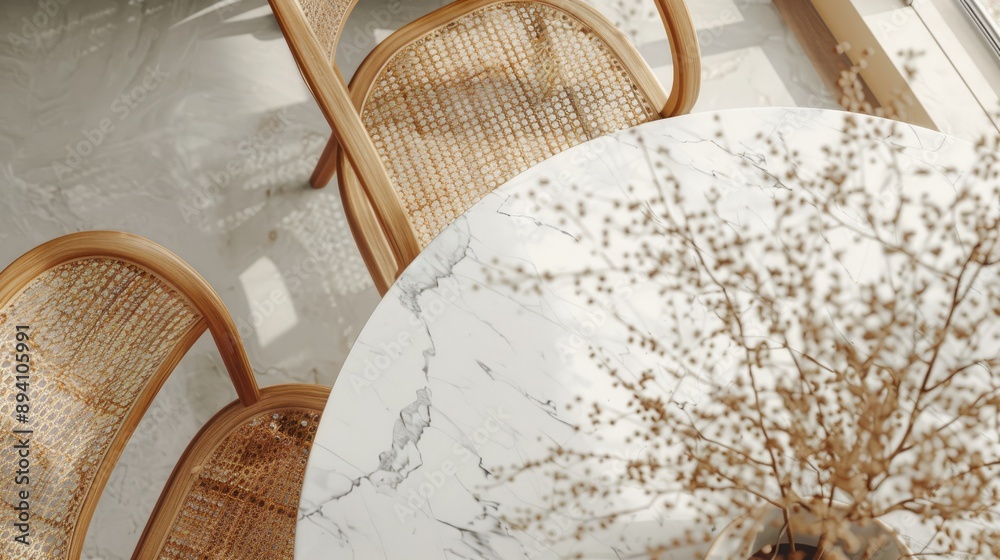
(178, 511)
(141, 256)
(375, 212)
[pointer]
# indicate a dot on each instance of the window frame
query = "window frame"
(952, 85)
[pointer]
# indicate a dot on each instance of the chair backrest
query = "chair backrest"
(91, 324)
(312, 29)
(235, 491)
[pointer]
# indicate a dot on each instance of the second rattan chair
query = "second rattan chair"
(234, 495)
(458, 102)
(91, 325)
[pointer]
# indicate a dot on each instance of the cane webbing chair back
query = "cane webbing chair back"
(92, 323)
(234, 494)
(460, 101)
(462, 109)
(326, 19)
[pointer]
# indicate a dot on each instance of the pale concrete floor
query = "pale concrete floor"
(229, 94)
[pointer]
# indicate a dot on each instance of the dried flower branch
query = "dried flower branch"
(848, 344)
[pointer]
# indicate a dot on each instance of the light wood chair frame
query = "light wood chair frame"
(374, 210)
(168, 268)
(202, 447)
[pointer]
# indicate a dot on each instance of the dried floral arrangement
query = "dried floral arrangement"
(837, 397)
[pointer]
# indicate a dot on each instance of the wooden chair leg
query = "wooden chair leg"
(326, 166)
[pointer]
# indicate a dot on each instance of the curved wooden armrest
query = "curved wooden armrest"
(234, 493)
(166, 266)
(686, 56)
(334, 100)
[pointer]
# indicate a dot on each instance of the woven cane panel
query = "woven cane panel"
(99, 330)
(244, 501)
(326, 17)
(470, 105)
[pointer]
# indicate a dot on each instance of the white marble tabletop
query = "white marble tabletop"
(472, 361)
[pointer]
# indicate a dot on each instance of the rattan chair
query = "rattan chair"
(93, 323)
(234, 494)
(458, 102)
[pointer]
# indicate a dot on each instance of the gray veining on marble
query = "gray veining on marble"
(186, 121)
(461, 371)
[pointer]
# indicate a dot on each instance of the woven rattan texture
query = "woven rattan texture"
(99, 329)
(326, 18)
(243, 503)
(470, 105)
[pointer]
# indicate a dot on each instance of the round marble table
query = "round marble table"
(470, 362)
